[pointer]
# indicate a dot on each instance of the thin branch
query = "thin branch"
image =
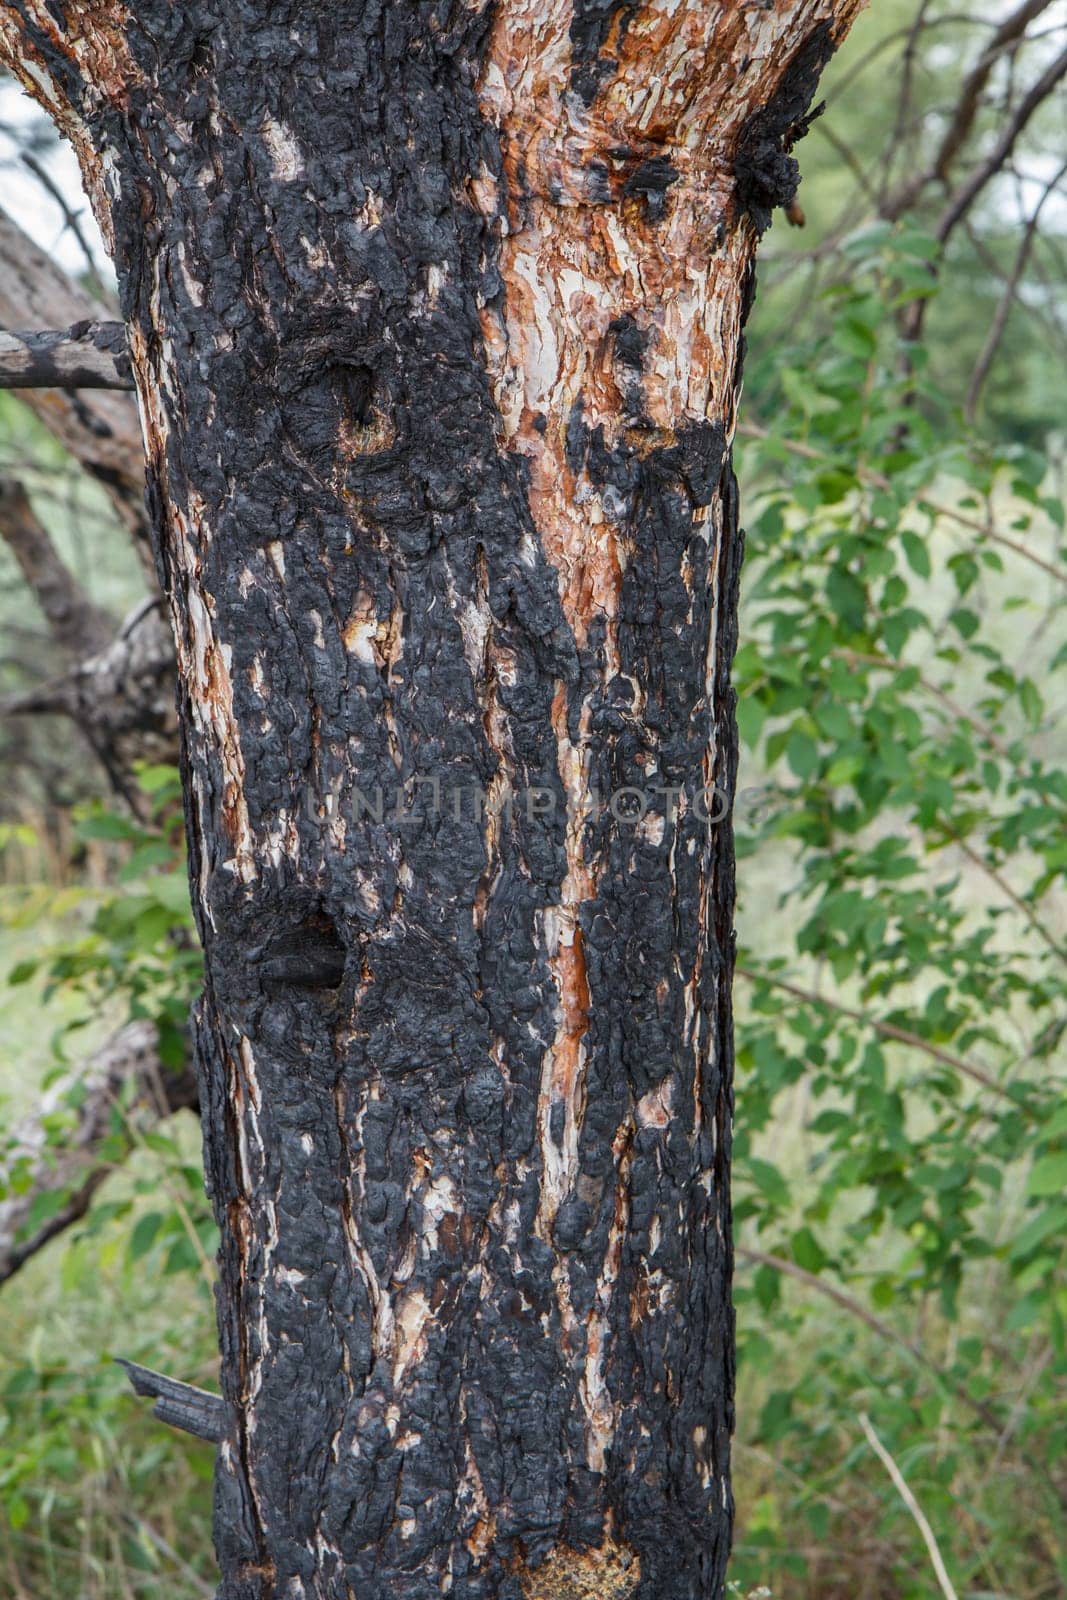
(1007, 891)
(1007, 300)
(960, 713)
(77, 625)
(122, 1070)
(99, 428)
(1018, 1410)
(961, 19)
(847, 1302)
(944, 1582)
(965, 196)
(141, 1526)
(826, 130)
(1044, 314)
(1009, 32)
(750, 430)
(58, 697)
(87, 355)
(907, 76)
(122, 700)
(887, 1030)
(998, 538)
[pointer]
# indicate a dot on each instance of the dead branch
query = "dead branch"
(1007, 300)
(122, 699)
(961, 124)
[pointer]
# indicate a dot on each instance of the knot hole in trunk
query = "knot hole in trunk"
(309, 956)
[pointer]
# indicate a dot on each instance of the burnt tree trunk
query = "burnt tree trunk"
(435, 314)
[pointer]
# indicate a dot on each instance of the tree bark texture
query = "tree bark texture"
(435, 316)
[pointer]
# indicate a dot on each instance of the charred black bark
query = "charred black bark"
(465, 1060)
(767, 173)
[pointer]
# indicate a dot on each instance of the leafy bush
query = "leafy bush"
(902, 1125)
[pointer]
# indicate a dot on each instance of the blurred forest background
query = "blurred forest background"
(901, 1000)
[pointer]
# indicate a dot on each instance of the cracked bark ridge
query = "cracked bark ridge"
(435, 315)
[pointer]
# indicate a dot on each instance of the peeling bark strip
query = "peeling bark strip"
(435, 313)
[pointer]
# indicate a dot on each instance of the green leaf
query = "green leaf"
(106, 825)
(802, 754)
(807, 1251)
(1052, 1220)
(1031, 702)
(751, 715)
(768, 1180)
(144, 1234)
(916, 553)
(1048, 1175)
(847, 596)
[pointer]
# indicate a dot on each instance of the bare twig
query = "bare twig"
(1018, 1410)
(1007, 891)
(1007, 34)
(907, 76)
(44, 177)
(943, 1579)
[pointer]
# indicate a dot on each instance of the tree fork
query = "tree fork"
(435, 315)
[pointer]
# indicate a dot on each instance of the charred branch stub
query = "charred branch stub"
(181, 1405)
(435, 317)
(650, 181)
(89, 355)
